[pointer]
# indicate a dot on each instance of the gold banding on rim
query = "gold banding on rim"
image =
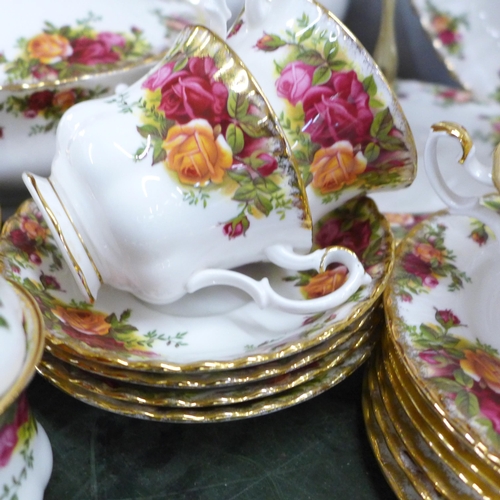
(456, 130)
(495, 173)
(62, 239)
(77, 233)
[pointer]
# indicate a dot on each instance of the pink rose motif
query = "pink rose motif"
(446, 318)
(236, 228)
(438, 367)
(338, 110)
(269, 164)
(111, 39)
(448, 37)
(193, 93)
(8, 441)
(90, 52)
(159, 77)
(295, 79)
(357, 238)
(430, 281)
(489, 404)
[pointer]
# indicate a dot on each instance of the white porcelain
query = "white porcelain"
(159, 193)
(12, 336)
(59, 53)
(457, 203)
(466, 34)
(346, 129)
(427, 103)
(212, 329)
(25, 452)
(442, 301)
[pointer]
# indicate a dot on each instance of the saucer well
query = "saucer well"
(230, 412)
(442, 307)
(208, 330)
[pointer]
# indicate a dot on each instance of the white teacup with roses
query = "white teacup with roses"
(166, 187)
(346, 129)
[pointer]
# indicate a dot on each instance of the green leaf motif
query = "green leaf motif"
(447, 385)
(148, 130)
(240, 176)
(370, 86)
(246, 192)
(382, 124)
(235, 138)
(159, 154)
(263, 204)
(237, 105)
(372, 152)
(266, 185)
(463, 379)
(312, 57)
(321, 75)
(3, 322)
(467, 403)
(330, 51)
(306, 34)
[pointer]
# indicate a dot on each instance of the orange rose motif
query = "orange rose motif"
(196, 153)
(34, 230)
(482, 366)
(49, 49)
(427, 252)
(336, 166)
(84, 321)
(324, 283)
(440, 23)
(64, 99)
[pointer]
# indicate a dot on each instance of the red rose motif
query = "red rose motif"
(416, 266)
(295, 80)
(269, 164)
(193, 93)
(446, 318)
(441, 364)
(448, 37)
(40, 100)
(357, 238)
(90, 52)
(338, 110)
(111, 39)
(8, 441)
(21, 240)
(489, 404)
(22, 413)
(159, 77)
(236, 228)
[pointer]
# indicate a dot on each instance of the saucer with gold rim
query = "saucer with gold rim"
(216, 330)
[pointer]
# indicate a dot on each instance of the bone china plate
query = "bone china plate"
(208, 330)
(442, 301)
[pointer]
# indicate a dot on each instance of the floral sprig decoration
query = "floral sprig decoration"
(211, 139)
(342, 131)
(467, 372)
(426, 263)
(70, 51)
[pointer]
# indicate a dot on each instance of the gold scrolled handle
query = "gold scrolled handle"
(458, 131)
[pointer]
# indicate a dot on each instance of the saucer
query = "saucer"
(224, 378)
(230, 412)
(465, 35)
(63, 373)
(208, 330)
(425, 104)
(442, 303)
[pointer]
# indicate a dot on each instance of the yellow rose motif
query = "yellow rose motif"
(49, 49)
(34, 230)
(64, 99)
(336, 166)
(482, 366)
(427, 252)
(324, 283)
(196, 153)
(84, 321)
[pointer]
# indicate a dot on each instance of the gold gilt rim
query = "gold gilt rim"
(371, 392)
(447, 480)
(210, 380)
(392, 319)
(128, 393)
(457, 456)
(255, 359)
(255, 408)
(408, 134)
(88, 77)
(34, 328)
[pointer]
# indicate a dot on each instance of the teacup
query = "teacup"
(343, 122)
(165, 188)
(457, 203)
(26, 455)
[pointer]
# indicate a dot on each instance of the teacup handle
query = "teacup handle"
(458, 204)
(262, 292)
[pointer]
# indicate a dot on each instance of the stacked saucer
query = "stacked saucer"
(211, 356)
(431, 396)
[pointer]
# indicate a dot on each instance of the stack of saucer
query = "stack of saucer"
(210, 356)
(431, 396)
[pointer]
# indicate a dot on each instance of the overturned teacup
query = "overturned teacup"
(456, 202)
(345, 126)
(166, 187)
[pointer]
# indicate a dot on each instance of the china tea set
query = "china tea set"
(215, 204)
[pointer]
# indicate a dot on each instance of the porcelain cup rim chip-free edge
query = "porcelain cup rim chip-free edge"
(346, 128)
(459, 204)
(200, 96)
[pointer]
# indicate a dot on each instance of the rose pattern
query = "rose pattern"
(342, 134)
(211, 139)
(325, 282)
(49, 48)
(84, 321)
